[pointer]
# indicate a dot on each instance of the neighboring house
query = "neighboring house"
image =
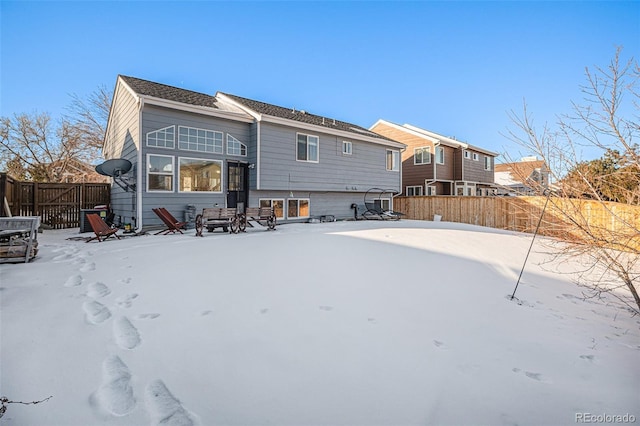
(79, 172)
(434, 164)
(190, 148)
(525, 177)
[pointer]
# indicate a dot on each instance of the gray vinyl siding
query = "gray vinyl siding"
(279, 169)
(121, 141)
(155, 118)
(337, 204)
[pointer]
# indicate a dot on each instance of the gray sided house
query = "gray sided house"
(189, 148)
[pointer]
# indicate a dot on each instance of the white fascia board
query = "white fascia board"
(452, 141)
(404, 129)
(225, 99)
(336, 132)
(151, 100)
(445, 140)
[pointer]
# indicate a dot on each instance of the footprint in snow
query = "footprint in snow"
(438, 344)
(97, 290)
(88, 267)
(73, 281)
(149, 316)
(533, 376)
(590, 358)
(164, 408)
(126, 301)
(115, 394)
(125, 333)
(125, 280)
(326, 308)
(96, 312)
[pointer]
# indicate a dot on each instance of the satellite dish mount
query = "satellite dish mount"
(116, 168)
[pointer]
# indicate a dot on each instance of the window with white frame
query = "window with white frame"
(199, 175)
(476, 157)
(414, 191)
(422, 155)
(383, 203)
(439, 155)
(235, 147)
(297, 208)
(307, 148)
(431, 190)
(393, 160)
(160, 173)
(162, 138)
(201, 140)
(347, 148)
(467, 154)
(487, 163)
(277, 204)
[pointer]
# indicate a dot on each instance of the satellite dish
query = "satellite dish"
(100, 171)
(115, 167)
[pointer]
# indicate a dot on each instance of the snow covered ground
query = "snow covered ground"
(359, 323)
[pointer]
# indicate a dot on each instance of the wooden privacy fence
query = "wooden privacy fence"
(569, 219)
(57, 204)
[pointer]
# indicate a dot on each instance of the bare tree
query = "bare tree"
(37, 149)
(34, 147)
(89, 115)
(607, 122)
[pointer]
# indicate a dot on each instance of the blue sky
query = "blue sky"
(455, 68)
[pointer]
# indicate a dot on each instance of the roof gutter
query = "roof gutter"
(138, 191)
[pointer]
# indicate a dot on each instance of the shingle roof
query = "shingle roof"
(149, 88)
(303, 116)
(163, 91)
(521, 171)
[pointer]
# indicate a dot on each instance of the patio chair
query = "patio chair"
(100, 228)
(172, 224)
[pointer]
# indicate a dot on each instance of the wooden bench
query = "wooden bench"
(18, 238)
(216, 217)
(265, 216)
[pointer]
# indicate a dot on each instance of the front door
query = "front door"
(237, 185)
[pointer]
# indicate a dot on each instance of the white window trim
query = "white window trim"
(395, 160)
(439, 149)
(317, 148)
(159, 130)
(173, 173)
(206, 130)
(236, 140)
(423, 149)
(388, 201)
(201, 192)
(476, 157)
(413, 187)
(271, 200)
(298, 203)
(487, 163)
(467, 154)
(432, 190)
(348, 151)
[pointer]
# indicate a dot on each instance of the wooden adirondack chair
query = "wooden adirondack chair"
(100, 228)
(173, 225)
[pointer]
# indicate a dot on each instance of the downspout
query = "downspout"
(139, 170)
(401, 187)
(258, 156)
(435, 162)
